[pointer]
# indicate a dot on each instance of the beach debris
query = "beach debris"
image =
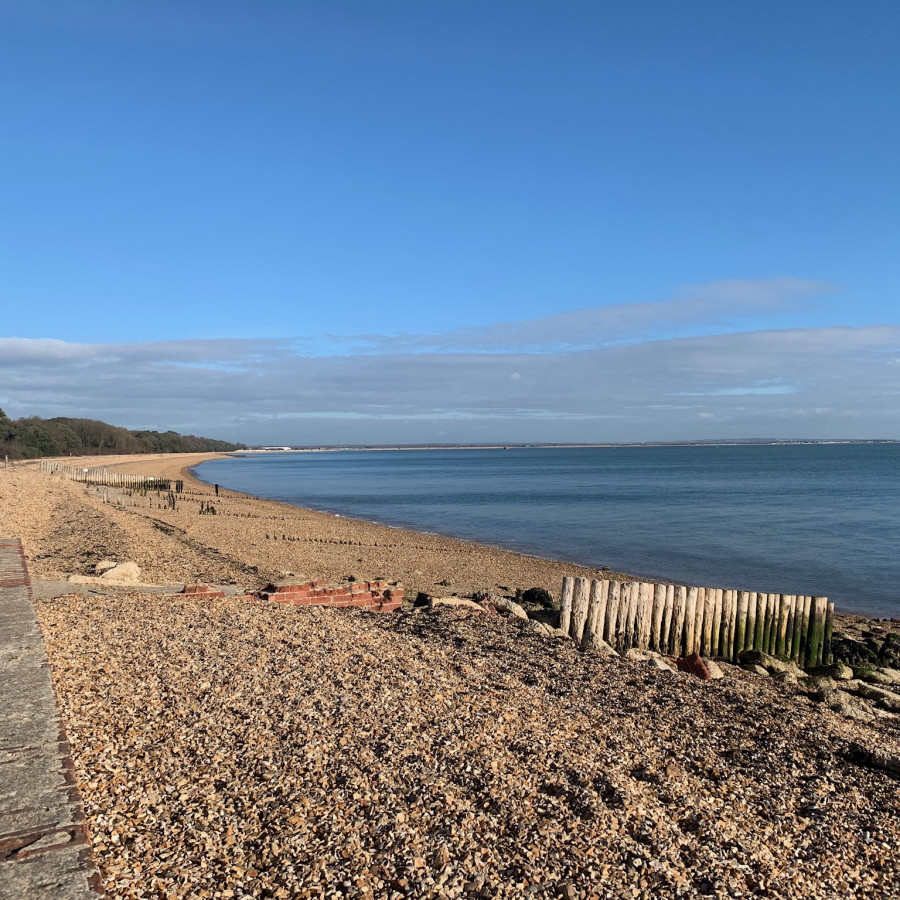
(203, 590)
(657, 662)
(380, 595)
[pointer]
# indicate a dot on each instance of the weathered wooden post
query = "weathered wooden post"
(716, 631)
(659, 608)
(565, 604)
(665, 637)
(580, 607)
(777, 621)
(827, 655)
(612, 613)
(709, 608)
(698, 618)
(690, 620)
(679, 615)
(593, 629)
(766, 604)
(741, 623)
(631, 602)
(774, 611)
(796, 627)
(818, 613)
(803, 649)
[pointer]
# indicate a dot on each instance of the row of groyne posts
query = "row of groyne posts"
(109, 478)
(676, 620)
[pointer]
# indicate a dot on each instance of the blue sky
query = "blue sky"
(408, 221)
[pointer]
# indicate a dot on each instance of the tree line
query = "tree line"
(31, 437)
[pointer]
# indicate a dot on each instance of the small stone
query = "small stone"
(640, 655)
(715, 670)
(757, 669)
(567, 891)
(657, 662)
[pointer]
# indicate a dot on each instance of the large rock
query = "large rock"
(838, 671)
(538, 596)
(759, 670)
(850, 706)
(104, 566)
(875, 759)
(771, 664)
(879, 675)
(123, 573)
(595, 643)
(852, 652)
(885, 699)
(457, 601)
(638, 655)
(504, 604)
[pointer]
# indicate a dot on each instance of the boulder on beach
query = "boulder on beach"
(123, 573)
(504, 604)
(771, 664)
(838, 671)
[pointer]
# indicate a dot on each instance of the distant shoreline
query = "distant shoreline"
(750, 442)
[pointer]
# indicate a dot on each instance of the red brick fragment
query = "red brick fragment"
(693, 664)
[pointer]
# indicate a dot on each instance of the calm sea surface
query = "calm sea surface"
(812, 519)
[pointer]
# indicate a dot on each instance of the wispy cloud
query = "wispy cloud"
(697, 308)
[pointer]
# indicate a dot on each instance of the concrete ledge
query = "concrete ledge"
(44, 847)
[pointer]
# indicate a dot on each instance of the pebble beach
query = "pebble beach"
(235, 748)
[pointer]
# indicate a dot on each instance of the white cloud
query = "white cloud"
(816, 382)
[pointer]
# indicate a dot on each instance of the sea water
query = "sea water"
(821, 519)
